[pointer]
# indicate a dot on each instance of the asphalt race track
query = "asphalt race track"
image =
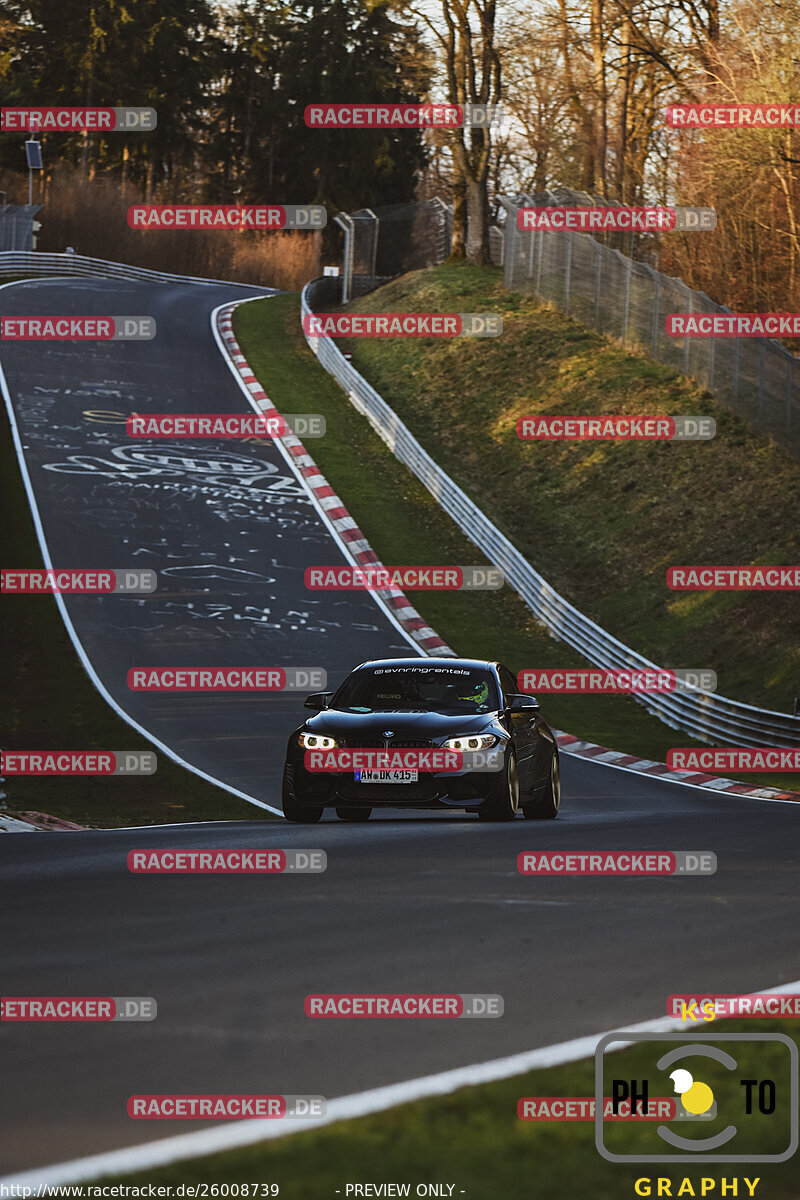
(430, 903)
(224, 523)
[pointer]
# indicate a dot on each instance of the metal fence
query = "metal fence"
(16, 226)
(382, 243)
(756, 377)
(705, 715)
(360, 252)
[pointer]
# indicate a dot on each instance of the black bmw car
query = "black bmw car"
(457, 704)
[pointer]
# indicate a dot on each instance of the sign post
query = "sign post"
(33, 152)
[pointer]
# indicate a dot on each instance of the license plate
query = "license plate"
(386, 776)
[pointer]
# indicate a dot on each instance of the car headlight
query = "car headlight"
(471, 741)
(316, 741)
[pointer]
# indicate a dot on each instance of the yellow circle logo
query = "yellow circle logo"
(696, 1098)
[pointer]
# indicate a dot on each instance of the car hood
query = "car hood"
(422, 725)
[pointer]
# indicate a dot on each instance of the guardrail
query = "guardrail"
(14, 262)
(704, 715)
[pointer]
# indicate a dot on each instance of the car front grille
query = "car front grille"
(424, 790)
(375, 743)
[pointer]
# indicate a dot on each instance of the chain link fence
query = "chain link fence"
(756, 377)
(16, 226)
(382, 243)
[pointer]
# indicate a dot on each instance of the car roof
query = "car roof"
(417, 660)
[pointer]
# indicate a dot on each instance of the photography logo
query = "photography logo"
(697, 1099)
(725, 1112)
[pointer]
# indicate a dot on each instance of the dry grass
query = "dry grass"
(92, 217)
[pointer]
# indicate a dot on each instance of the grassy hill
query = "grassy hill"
(602, 521)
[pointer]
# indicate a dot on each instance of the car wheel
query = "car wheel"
(546, 808)
(293, 810)
(502, 798)
(353, 814)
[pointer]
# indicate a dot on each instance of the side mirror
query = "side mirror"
(519, 703)
(318, 700)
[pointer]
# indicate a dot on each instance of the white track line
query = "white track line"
(79, 650)
(217, 1138)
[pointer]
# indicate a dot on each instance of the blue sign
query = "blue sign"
(34, 152)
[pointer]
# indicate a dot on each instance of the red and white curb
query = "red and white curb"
(646, 766)
(323, 494)
(9, 824)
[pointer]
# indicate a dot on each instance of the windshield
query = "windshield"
(418, 689)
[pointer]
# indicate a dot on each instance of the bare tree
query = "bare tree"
(464, 32)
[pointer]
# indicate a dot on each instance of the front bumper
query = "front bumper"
(432, 790)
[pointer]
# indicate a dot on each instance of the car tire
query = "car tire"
(547, 806)
(353, 814)
(293, 810)
(502, 796)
